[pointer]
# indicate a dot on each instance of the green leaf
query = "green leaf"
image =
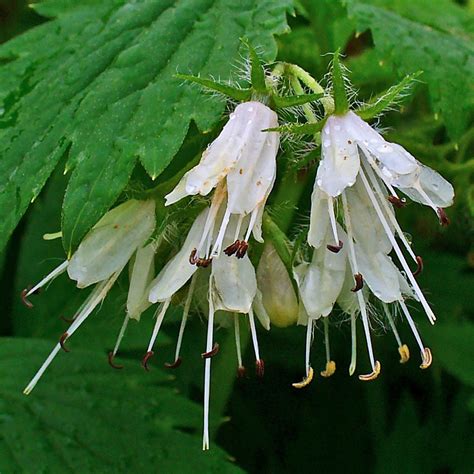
(233, 92)
(85, 417)
(300, 129)
(388, 98)
(341, 104)
(294, 100)
(97, 80)
(413, 43)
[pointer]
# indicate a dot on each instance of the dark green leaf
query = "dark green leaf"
(341, 104)
(99, 77)
(86, 417)
(257, 73)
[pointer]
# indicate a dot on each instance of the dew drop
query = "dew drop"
(250, 109)
(337, 128)
(326, 143)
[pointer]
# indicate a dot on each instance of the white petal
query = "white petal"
(235, 283)
(260, 310)
(340, 161)
(368, 230)
(178, 270)
(142, 272)
(395, 160)
(380, 274)
(320, 282)
(250, 181)
(319, 218)
(112, 241)
(440, 191)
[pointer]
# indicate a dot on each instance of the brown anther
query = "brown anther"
(260, 368)
(25, 300)
(232, 248)
(373, 375)
(335, 248)
(203, 262)
(359, 282)
(112, 364)
(192, 257)
(175, 364)
(442, 216)
(62, 341)
(306, 381)
(427, 358)
(212, 352)
(404, 354)
(242, 250)
(329, 370)
(145, 360)
(397, 202)
(241, 372)
(68, 320)
(419, 268)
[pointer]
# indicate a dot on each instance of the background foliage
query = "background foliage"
(88, 88)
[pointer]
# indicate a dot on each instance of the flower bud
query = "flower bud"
(278, 296)
(110, 244)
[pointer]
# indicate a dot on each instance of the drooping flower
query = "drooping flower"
(241, 164)
(356, 185)
(231, 290)
(99, 259)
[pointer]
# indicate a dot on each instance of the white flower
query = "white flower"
(241, 164)
(99, 259)
(353, 225)
(232, 288)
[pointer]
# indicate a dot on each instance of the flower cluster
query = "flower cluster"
(353, 231)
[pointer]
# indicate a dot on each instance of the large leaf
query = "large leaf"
(433, 37)
(83, 417)
(100, 78)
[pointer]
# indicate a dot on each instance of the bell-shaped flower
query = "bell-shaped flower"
(99, 260)
(319, 284)
(366, 227)
(349, 144)
(278, 295)
(241, 165)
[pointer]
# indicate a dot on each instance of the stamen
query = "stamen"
(192, 257)
(259, 364)
(427, 358)
(159, 320)
(419, 267)
(359, 280)
(402, 348)
(241, 372)
(146, 358)
(51, 276)
(389, 212)
(96, 296)
(399, 203)
(329, 370)
(306, 381)
(260, 368)
(182, 327)
(253, 219)
(62, 341)
(207, 370)
(216, 250)
(332, 217)
(173, 365)
(212, 352)
(120, 337)
(421, 297)
(360, 294)
(111, 361)
(67, 320)
(241, 368)
(330, 365)
(443, 218)
(232, 248)
(239, 226)
(242, 250)
(425, 352)
(309, 340)
(373, 375)
(335, 248)
(353, 364)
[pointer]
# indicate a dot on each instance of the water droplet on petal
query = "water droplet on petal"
(337, 128)
(327, 143)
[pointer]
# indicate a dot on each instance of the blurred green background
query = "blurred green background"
(407, 421)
